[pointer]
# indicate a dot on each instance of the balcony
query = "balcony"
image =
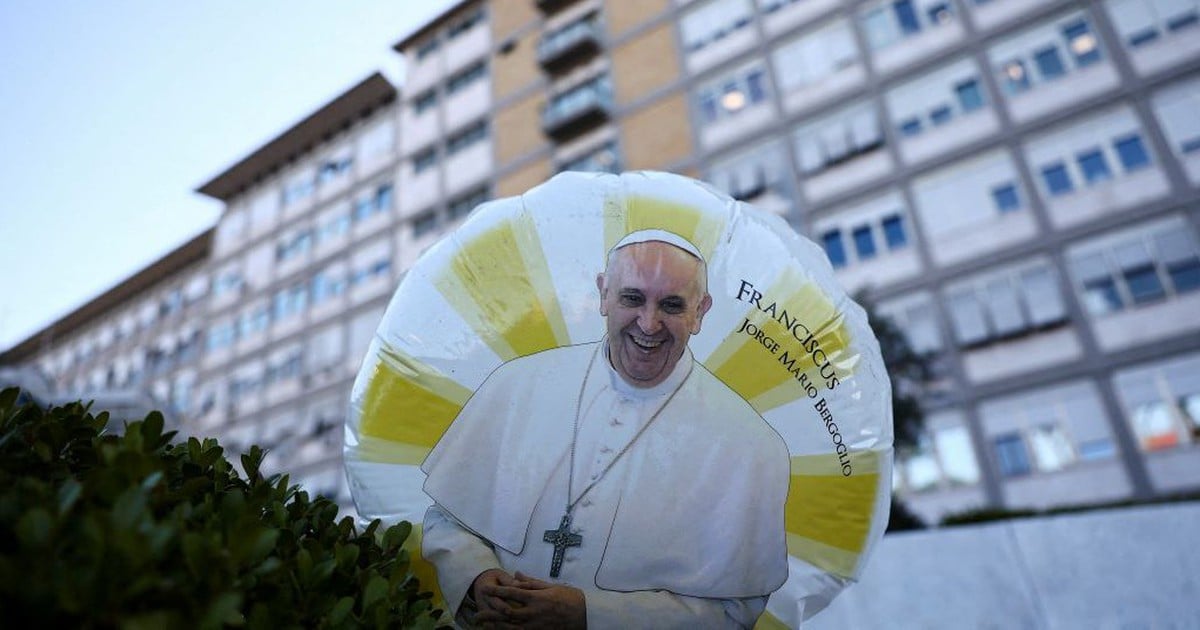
(552, 6)
(578, 109)
(574, 42)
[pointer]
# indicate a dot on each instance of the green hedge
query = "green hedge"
(136, 531)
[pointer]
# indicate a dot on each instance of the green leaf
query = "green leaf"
(375, 591)
(68, 494)
(152, 428)
(33, 528)
(396, 535)
(339, 611)
(263, 544)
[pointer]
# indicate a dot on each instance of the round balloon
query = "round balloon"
(519, 277)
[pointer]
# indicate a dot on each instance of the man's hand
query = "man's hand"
(488, 604)
(531, 603)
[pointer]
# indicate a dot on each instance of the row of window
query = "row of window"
(1054, 429)
(297, 245)
(291, 301)
(427, 222)
(455, 30)
(868, 239)
(472, 135)
(460, 81)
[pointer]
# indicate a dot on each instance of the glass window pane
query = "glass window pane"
(1042, 296)
(1006, 199)
(957, 456)
(864, 242)
(1058, 182)
(1011, 455)
(834, 248)
(906, 16)
(940, 115)
(1132, 152)
(893, 231)
(1049, 63)
(910, 127)
(1185, 275)
(1051, 448)
(1082, 43)
(967, 318)
(1004, 308)
(1094, 166)
(1016, 76)
(921, 470)
(1154, 427)
(970, 97)
(1101, 296)
(1097, 449)
(1144, 284)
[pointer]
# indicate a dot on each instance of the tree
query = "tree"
(908, 370)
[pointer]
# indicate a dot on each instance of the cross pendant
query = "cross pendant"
(561, 538)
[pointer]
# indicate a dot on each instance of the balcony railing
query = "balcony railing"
(576, 41)
(578, 108)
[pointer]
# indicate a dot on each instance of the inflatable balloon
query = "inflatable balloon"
(519, 277)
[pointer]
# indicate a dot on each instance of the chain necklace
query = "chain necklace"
(562, 537)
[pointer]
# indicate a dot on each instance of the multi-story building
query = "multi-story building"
(1016, 183)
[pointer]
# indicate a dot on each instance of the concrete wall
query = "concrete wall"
(1128, 568)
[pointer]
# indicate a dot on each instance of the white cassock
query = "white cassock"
(686, 527)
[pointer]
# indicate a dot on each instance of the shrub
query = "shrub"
(135, 531)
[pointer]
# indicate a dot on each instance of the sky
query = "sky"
(113, 112)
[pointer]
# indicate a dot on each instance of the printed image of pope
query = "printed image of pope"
(614, 484)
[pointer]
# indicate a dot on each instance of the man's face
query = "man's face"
(653, 299)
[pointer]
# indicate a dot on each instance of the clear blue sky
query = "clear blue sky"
(113, 112)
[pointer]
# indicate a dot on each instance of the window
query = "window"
(1058, 182)
(1045, 53)
(1005, 304)
(834, 248)
(1141, 267)
(425, 101)
(864, 242)
(426, 48)
(221, 335)
(1006, 198)
(729, 96)
(334, 227)
(460, 28)
(424, 160)
(295, 246)
(1093, 166)
(1131, 152)
(1141, 22)
(334, 169)
(328, 284)
(290, 301)
(815, 56)
(969, 96)
(1011, 455)
(1049, 64)
(1015, 76)
(1082, 43)
(936, 98)
(298, 189)
(376, 203)
(603, 159)
(424, 224)
(464, 79)
(889, 22)
(893, 232)
(1176, 108)
(838, 138)
(228, 281)
(714, 21)
(254, 321)
(469, 136)
(461, 207)
(1162, 402)
(373, 270)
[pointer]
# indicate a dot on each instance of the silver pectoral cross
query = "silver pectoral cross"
(561, 538)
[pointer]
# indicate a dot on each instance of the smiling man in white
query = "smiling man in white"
(615, 484)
